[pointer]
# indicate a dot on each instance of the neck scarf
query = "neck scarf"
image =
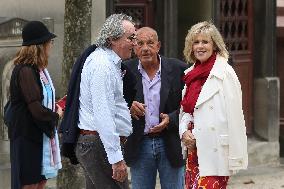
(194, 81)
(51, 160)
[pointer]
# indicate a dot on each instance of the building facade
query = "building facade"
(250, 31)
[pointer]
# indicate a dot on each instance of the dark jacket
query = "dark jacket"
(69, 124)
(68, 127)
(172, 71)
(71, 114)
(30, 118)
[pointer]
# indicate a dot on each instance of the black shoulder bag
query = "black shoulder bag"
(8, 113)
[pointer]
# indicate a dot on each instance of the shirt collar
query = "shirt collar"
(113, 57)
(141, 69)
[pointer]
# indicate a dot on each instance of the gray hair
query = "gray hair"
(112, 28)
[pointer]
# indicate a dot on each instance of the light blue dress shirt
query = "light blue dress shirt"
(102, 106)
(151, 91)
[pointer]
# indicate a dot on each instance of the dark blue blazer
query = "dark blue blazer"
(68, 127)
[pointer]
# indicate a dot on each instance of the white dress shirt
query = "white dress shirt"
(102, 106)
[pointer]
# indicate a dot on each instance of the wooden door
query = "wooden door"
(235, 22)
(280, 69)
(141, 11)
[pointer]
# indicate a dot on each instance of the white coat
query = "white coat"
(219, 126)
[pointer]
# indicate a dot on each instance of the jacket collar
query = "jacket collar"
(141, 69)
(166, 77)
(209, 88)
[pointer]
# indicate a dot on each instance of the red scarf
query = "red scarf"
(194, 81)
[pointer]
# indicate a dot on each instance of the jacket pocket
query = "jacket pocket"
(224, 140)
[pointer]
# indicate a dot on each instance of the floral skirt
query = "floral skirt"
(194, 181)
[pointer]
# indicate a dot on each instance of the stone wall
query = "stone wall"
(6, 66)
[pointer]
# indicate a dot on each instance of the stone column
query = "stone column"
(49, 22)
(266, 82)
(98, 17)
(170, 28)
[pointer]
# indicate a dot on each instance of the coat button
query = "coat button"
(213, 128)
(215, 150)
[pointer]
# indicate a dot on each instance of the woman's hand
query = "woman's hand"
(188, 140)
(59, 111)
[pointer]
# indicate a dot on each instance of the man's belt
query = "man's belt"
(88, 132)
(153, 135)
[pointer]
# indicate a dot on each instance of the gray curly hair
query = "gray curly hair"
(112, 28)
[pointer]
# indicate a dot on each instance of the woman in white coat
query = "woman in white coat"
(212, 126)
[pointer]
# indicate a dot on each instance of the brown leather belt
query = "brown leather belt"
(87, 132)
(153, 135)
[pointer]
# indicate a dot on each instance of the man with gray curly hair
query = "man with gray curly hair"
(112, 29)
(104, 118)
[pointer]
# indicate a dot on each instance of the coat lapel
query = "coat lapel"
(210, 87)
(208, 90)
(139, 85)
(166, 78)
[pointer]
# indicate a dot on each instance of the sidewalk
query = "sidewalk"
(267, 177)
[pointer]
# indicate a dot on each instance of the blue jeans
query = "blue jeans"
(152, 157)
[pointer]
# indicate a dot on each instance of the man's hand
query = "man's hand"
(188, 140)
(161, 126)
(119, 171)
(137, 110)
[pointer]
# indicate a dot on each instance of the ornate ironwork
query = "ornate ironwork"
(234, 24)
(136, 12)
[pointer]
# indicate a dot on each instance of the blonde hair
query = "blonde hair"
(33, 55)
(211, 31)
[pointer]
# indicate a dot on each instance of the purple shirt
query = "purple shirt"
(151, 91)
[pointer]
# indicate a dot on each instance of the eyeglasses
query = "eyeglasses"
(132, 37)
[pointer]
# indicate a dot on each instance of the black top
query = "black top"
(30, 118)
